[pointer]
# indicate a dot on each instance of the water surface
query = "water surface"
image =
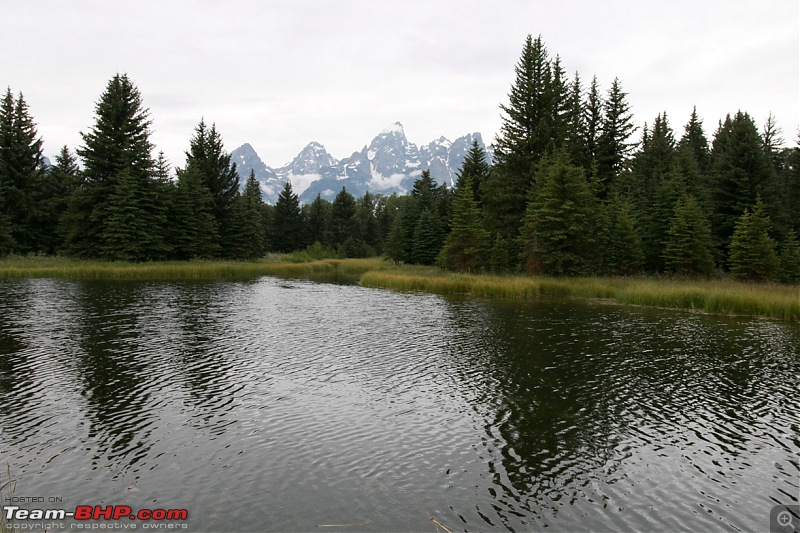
(282, 405)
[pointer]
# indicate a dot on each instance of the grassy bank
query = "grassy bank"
(712, 296)
(56, 267)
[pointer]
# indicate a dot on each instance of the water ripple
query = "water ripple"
(323, 403)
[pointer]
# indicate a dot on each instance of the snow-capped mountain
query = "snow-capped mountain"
(388, 164)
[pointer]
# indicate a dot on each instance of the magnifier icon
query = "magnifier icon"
(785, 519)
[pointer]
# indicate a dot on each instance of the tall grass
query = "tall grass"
(717, 296)
(712, 296)
(56, 267)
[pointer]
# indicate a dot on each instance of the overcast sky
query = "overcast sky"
(281, 74)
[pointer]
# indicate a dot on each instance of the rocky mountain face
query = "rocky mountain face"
(388, 164)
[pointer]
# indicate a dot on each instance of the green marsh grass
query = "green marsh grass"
(56, 267)
(711, 296)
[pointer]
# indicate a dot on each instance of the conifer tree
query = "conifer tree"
(467, 244)
(397, 241)
(790, 258)
(687, 251)
(623, 250)
(343, 221)
(130, 219)
(428, 238)
(574, 139)
(316, 215)
(24, 185)
(526, 133)
(194, 227)
(117, 168)
(287, 222)
(694, 139)
(367, 223)
(474, 168)
(208, 157)
(752, 250)
(613, 146)
(248, 235)
(6, 241)
(740, 171)
(593, 124)
(559, 221)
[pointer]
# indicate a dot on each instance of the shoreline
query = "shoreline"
(714, 296)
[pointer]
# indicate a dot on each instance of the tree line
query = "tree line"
(569, 192)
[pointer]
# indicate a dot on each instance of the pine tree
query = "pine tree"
(752, 250)
(249, 234)
(343, 222)
(428, 238)
(128, 234)
(526, 133)
(790, 258)
(397, 242)
(287, 223)
(694, 139)
(593, 125)
(116, 149)
(613, 147)
(574, 139)
(474, 168)
(317, 215)
(23, 183)
(367, 222)
(654, 188)
(740, 171)
(687, 250)
(559, 221)
(194, 227)
(467, 245)
(6, 241)
(207, 156)
(623, 249)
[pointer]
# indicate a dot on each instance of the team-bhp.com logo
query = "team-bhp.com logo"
(95, 512)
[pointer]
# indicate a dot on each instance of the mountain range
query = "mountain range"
(388, 164)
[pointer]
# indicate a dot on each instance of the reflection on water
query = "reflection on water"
(281, 405)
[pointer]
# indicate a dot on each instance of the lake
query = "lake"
(293, 405)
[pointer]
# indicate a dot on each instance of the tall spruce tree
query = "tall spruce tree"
(575, 125)
(248, 236)
(317, 215)
(194, 232)
(474, 168)
(740, 171)
(694, 139)
(117, 179)
(613, 146)
(790, 259)
(526, 133)
(343, 221)
(687, 250)
(208, 157)
(622, 254)
(593, 125)
(557, 234)
(467, 245)
(24, 185)
(752, 250)
(286, 233)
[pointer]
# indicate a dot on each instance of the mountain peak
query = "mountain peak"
(394, 128)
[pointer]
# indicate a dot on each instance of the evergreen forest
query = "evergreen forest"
(575, 188)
